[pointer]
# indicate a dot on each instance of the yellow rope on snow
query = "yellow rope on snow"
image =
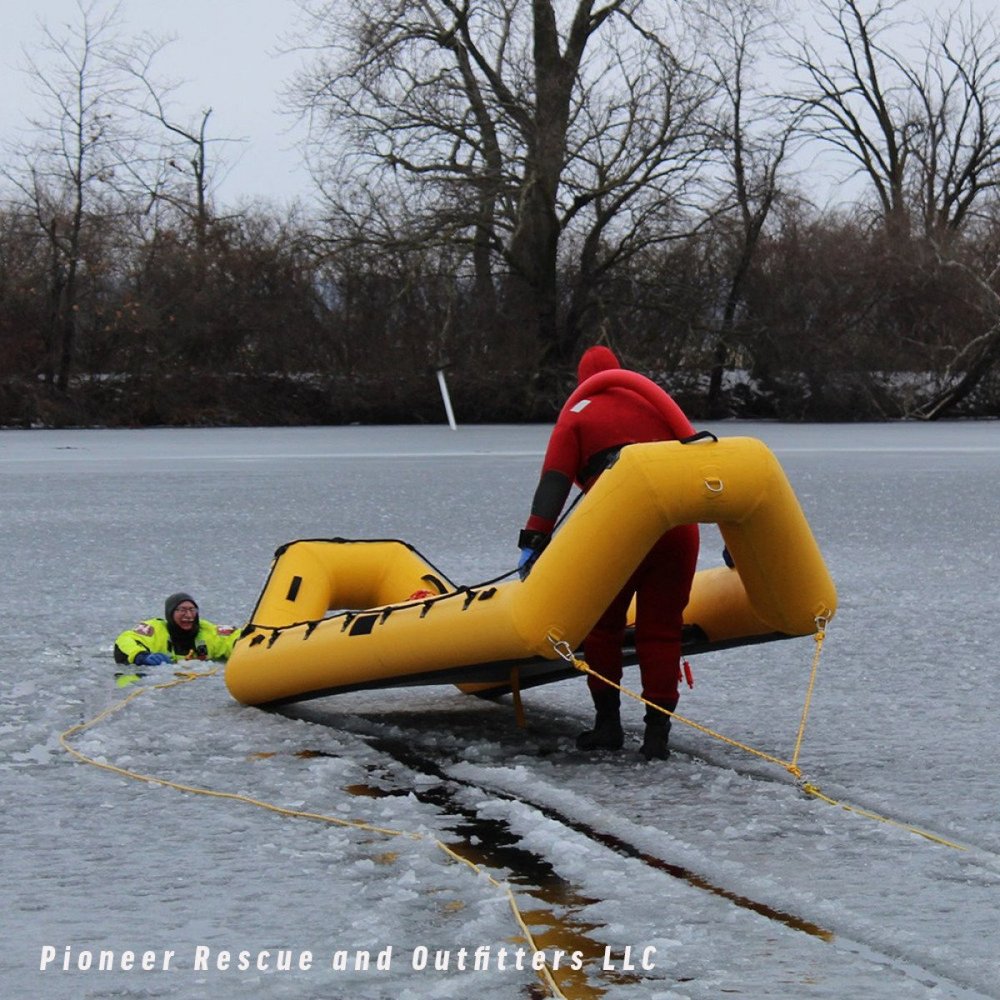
(812, 790)
(185, 677)
(566, 652)
(515, 909)
(820, 636)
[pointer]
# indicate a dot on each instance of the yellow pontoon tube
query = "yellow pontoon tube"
(338, 615)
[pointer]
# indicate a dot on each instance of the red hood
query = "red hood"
(594, 360)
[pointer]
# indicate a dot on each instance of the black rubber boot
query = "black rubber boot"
(657, 736)
(607, 732)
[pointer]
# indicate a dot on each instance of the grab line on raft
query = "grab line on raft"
(564, 650)
(186, 677)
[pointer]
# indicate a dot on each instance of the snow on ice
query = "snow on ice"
(713, 873)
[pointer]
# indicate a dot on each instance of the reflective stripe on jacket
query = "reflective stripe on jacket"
(152, 636)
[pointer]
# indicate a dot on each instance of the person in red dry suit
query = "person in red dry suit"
(612, 411)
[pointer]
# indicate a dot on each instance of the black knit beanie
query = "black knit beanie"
(170, 605)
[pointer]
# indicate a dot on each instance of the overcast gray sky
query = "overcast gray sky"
(226, 50)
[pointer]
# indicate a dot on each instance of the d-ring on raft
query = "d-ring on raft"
(339, 615)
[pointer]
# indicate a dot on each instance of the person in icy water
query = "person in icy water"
(583, 442)
(181, 634)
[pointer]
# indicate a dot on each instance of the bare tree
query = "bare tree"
(922, 127)
(755, 129)
(970, 362)
(67, 168)
(185, 171)
(539, 134)
(858, 98)
(956, 147)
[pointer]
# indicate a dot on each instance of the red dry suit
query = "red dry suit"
(587, 433)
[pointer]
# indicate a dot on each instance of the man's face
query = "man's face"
(185, 615)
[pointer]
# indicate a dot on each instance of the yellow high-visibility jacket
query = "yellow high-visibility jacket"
(152, 636)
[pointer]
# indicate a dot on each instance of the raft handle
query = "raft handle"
(699, 436)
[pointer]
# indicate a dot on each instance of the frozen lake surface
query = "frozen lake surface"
(710, 874)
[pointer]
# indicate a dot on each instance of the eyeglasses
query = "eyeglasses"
(186, 612)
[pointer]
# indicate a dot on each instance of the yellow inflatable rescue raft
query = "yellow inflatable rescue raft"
(339, 615)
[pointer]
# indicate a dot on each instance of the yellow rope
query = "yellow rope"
(515, 909)
(566, 652)
(184, 677)
(812, 790)
(820, 636)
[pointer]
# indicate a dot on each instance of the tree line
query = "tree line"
(500, 183)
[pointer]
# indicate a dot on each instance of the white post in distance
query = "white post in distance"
(447, 400)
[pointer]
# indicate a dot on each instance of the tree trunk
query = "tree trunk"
(977, 370)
